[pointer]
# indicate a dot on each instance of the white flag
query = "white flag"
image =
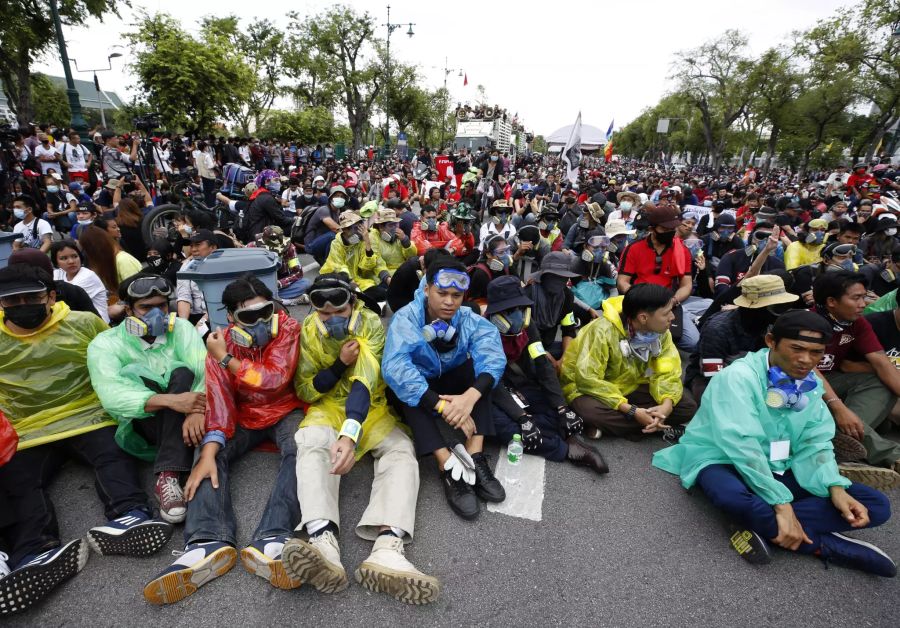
(571, 154)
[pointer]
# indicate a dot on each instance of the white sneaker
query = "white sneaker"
(197, 565)
(386, 570)
(4, 565)
(316, 562)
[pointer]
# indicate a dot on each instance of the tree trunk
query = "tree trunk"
(24, 105)
(770, 149)
(879, 136)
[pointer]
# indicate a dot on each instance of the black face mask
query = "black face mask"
(154, 261)
(553, 283)
(26, 316)
(664, 238)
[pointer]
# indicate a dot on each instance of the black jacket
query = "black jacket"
(265, 210)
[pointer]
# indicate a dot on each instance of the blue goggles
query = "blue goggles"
(450, 278)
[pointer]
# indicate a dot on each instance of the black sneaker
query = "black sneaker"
(460, 496)
(35, 580)
(487, 487)
(849, 552)
(751, 546)
(132, 534)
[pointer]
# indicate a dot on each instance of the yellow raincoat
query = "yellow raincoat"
(364, 270)
(45, 387)
(594, 364)
(317, 353)
(392, 253)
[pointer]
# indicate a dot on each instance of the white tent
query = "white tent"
(592, 138)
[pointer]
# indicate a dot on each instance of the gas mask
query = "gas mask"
(512, 323)
(786, 392)
(153, 323)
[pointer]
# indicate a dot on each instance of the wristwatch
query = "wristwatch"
(632, 411)
(224, 361)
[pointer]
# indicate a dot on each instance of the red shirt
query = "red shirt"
(857, 180)
(444, 167)
(639, 261)
(858, 338)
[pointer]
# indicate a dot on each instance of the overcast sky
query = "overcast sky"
(544, 60)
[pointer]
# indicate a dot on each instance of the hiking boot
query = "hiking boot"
(751, 546)
(487, 487)
(170, 496)
(855, 554)
(881, 478)
(584, 454)
(35, 579)
(197, 565)
(132, 534)
(848, 449)
(316, 562)
(263, 558)
(460, 496)
(387, 570)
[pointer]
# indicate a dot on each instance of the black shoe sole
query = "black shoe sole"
(23, 588)
(750, 547)
(142, 540)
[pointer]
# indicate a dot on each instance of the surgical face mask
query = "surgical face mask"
(626, 206)
(53, 189)
(85, 222)
(308, 197)
(188, 230)
(19, 213)
(338, 327)
(494, 158)
(584, 223)
(26, 316)
(273, 186)
(707, 203)
(388, 236)
(338, 202)
(891, 232)
(429, 224)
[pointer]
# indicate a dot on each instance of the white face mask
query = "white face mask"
(891, 232)
(625, 206)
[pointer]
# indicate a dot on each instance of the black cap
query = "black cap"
(505, 293)
(795, 324)
(203, 235)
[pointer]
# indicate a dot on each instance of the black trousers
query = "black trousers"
(424, 423)
(25, 480)
(163, 429)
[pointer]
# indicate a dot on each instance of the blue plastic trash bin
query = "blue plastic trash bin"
(6, 246)
(223, 266)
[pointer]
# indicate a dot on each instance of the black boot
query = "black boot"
(583, 453)
(487, 487)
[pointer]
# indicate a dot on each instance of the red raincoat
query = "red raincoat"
(9, 440)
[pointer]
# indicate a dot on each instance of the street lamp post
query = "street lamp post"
(78, 122)
(447, 72)
(108, 67)
(391, 27)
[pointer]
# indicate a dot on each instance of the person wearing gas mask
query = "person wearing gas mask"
(352, 253)
(462, 245)
(55, 412)
(548, 225)
(622, 373)
(494, 262)
(619, 235)
(554, 303)
(389, 241)
(591, 219)
(149, 374)
(250, 399)
(442, 362)
(340, 376)
(835, 257)
(760, 449)
(721, 240)
(429, 232)
(807, 249)
(757, 257)
(498, 223)
(529, 401)
(265, 205)
(596, 276)
(291, 284)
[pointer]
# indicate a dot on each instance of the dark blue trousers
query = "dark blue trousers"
(725, 488)
(554, 447)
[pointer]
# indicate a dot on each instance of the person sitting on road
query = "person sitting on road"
(590, 220)
(548, 225)
(462, 245)
(494, 262)
(498, 223)
(52, 406)
(442, 362)
(352, 253)
(406, 280)
(553, 304)
(150, 377)
(323, 224)
(530, 401)
(265, 205)
(189, 298)
(291, 284)
(596, 275)
(389, 242)
(428, 232)
(807, 248)
(250, 372)
(348, 416)
(760, 449)
(622, 373)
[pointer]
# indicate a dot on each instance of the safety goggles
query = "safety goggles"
(145, 286)
(336, 297)
(501, 251)
(448, 278)
(598, 242)
(843, 250)
(252, 314)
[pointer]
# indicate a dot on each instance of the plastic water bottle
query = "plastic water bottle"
(514, 450)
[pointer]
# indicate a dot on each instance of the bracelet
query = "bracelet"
(440, 406)
(828, 402)
(351, 429)
(632, 411)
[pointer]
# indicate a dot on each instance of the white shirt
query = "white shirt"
(91, 283)
(245, 153)
(50, 151)
(76, 156)
(834, 177)
(30, 239)
(161, 159)
(189, 292)
(205, 164)
(489, 229)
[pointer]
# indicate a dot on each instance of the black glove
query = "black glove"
(531, 435)
(569, 421)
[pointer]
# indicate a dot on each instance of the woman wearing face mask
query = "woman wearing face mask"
(808, 247)
(162, 259)
(553, 303)
(60, 204)
(628, 202)
(66, 260)
(265, 206)
(389, 241)
(882, 239)
(596, 276)
(494, 262)
(352, 253)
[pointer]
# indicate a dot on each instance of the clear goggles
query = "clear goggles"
(598, 242)
(449, 278)
(145, 286)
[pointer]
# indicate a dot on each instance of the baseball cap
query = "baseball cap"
(203, 235)
(663, 216)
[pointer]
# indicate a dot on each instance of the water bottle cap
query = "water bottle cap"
(517, 437)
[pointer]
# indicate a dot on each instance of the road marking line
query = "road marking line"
(524, 484)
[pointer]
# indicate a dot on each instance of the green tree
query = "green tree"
(309, 126)
(51, 103)
(540, 144)
(191, 82)
(27, 32)
(314, 84)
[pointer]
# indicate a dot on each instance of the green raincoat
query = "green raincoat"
(118, 360)
(735, 426)
(884, 303)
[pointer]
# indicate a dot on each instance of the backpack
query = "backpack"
(301, 225)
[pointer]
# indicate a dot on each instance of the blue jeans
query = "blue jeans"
(726, 490)
(693, 307)
(294, 290)
(210, 515)
(321, 247)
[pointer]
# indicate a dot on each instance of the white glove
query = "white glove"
(461, 465)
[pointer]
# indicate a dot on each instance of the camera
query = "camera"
(147, 123)
(8, 133)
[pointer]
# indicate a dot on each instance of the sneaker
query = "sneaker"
(881, 478)
(584, 453)
(855, 554)
(386, 570)
(172, 506)
(4, 565)
(487, 487)
(33, 581)
(460, 496)
(316, 561)
(848, 449)
(132, 534)
(673, 434)
(198, 564)
(751, 546)
(263, 558)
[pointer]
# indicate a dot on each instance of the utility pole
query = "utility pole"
(78, 122)
(391, 27)
(447, 72)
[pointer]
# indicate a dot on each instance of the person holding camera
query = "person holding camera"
(117, 164)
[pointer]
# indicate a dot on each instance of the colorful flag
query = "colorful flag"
(609, 131)
(465, 79)
(608, 151)
(571, 154)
